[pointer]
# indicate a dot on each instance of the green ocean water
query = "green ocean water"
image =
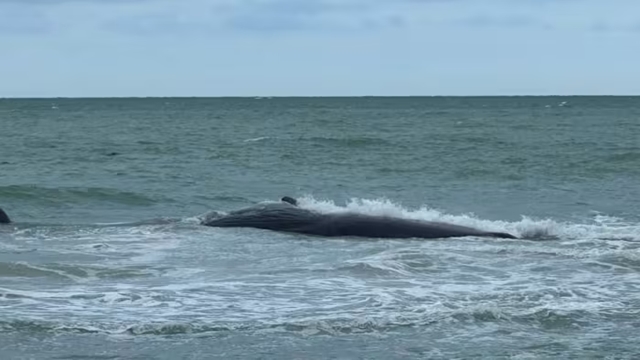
(106, 259)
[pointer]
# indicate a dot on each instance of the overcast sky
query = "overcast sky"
(78, 48)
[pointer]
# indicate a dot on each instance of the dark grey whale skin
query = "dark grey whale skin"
(287, 217)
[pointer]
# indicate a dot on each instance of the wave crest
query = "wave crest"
(599, 227)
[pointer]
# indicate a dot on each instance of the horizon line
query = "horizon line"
(294, 96)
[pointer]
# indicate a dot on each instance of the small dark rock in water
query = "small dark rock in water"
(290, 200)
(113, 154)
(4, 218)
(5, 163)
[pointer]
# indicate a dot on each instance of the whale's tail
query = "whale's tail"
(4, 218)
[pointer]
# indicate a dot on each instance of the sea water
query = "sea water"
(106, 258)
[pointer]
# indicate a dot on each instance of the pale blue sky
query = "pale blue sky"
(318, 47)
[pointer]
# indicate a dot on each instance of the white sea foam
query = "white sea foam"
(266, 280)
(257, 139)
(600, 227)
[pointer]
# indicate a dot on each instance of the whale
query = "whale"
(4, 218)
(287, 216)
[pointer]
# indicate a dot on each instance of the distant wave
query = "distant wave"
(629, 157)
(547, 316)
(76, 273)
(257, 139)
(355, 141)
(73, 195)
(347, 141)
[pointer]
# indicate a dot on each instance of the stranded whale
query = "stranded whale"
(288, 217)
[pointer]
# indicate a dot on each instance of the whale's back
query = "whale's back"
(288, 218)
(387, 227)
(283, 217)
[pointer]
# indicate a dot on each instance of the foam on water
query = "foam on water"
(135, 286)
(600, 227)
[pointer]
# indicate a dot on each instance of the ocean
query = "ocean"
(105, 258)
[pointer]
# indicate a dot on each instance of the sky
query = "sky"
(118, 48)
